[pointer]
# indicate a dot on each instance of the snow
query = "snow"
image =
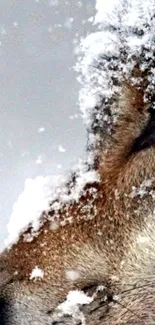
(108, 56)
(36, 274)
(38, 194)
(75, 299)
(61, 148)
(145, 188)
(41, 129)
(71, 306)
(39, 160)
(30, 204)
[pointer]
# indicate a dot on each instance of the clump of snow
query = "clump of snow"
(75, 299)
(100, 288)
(70, 307)
(125, 37)
(31, 203)
(83, 177)
(36, 273)
(37, 196)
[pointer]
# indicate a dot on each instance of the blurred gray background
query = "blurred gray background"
(41, 131)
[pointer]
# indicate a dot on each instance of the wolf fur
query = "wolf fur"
(109, 239)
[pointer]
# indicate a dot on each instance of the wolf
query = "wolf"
(106, 237)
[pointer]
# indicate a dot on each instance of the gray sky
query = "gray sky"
(38, 91)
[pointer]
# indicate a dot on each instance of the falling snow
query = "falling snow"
(61, 148)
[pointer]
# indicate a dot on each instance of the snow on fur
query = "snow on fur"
(36, 273)
(39, 193)
(76, 299)
(30, 204)
(109, 56)
(71, 305)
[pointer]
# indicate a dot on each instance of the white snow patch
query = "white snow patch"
(39, 193)
(116, 22)
(71, 306)
(31, 203)
(36, 273)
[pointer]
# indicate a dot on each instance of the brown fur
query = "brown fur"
(110, 239)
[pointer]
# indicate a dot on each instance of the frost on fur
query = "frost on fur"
(43, 194)
(36, 273)
(121, 51)
(71, 306)
(123, 45)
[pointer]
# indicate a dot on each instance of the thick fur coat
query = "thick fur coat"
(106, 238)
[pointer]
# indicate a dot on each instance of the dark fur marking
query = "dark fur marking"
(4, 308)
(147, 137)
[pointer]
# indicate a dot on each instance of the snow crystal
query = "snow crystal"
(41, 129)
(39, 160)
(61, 148)
(36, 273)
